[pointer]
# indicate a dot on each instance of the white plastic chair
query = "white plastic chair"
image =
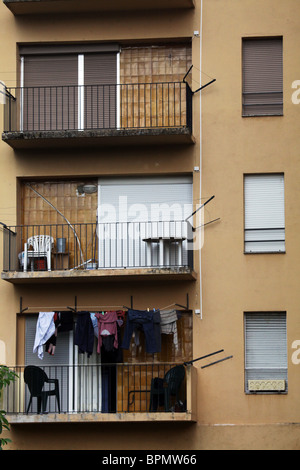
(42, 246)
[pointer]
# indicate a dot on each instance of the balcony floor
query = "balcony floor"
(101, 275)
(98, 137)
(20, 418)
(23, 7)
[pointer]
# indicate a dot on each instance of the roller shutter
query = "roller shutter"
(265, 346)
(262, 77)
(67, 90)
(264, 213)
(50, 94)
(125, 206)
(100, 79)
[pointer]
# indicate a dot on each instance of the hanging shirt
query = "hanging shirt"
(84, 333)
(107, 325)
(168, 323)
(45, 328)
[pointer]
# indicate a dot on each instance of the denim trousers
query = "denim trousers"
(149, 322)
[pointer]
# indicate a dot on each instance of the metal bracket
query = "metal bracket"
(203, 86)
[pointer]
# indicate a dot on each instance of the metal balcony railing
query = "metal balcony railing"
(112, 245)
(94, 107)
(98, 388)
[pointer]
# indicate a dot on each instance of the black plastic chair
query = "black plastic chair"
(163, 389)
(35, 378)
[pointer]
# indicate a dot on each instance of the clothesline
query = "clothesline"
(94, 307)
(105, 325)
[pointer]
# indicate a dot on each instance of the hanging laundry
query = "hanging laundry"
(149, 323)
(84, 333)
(45, 328)
(112, 355)
(63, 322)
(169, 324)
(95, 323)
(51, 342)
(107, 330)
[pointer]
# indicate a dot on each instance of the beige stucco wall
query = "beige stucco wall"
(233, 146)
(231, 282)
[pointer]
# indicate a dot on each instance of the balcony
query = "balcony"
(30, 7)
(98, 115)
(98, 252)
(103, 392)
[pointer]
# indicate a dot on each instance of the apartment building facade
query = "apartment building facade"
(149, 187)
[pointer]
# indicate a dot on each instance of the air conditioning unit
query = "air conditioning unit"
(266, 385)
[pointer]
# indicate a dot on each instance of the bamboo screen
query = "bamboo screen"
(154, 94)
(137, 375)
(40, 218)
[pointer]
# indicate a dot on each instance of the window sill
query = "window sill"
(262, 115)
(264, 252)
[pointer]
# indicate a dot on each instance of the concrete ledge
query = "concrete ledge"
(98, 275)
(98, 417)
(98, 137)
(23, 7)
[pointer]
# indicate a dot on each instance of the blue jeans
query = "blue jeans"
(149, 322)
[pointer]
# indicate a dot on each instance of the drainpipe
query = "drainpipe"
(200, 161)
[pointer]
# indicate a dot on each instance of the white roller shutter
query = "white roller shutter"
(125, 207)
(265, 346)
(264, 213)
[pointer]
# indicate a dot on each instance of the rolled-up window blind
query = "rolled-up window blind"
(264, 213)
(262, 77)
(50, 93)
(265, 346)
(100, 79)
(58, 88)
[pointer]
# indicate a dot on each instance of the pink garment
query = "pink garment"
(107, 325)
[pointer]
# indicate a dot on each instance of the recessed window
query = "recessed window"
(265, 352)
(262, 77)
(264, 213)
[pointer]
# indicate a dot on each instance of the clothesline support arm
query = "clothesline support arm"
(216, 362)
(186, 307)
(203, 357)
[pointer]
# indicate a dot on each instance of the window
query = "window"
(265, 352)
(264, 213)
(69, 87)
(133, 211)
(262, 77)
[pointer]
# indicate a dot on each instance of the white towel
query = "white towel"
(45, 328)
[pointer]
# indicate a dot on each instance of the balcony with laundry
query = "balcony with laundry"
(119, 239)
(30, 7)
(74, 95)
(83, 366)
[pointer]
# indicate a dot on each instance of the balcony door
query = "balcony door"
(56, 367)
(81, 385)
(133, 211)
(63, 89)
